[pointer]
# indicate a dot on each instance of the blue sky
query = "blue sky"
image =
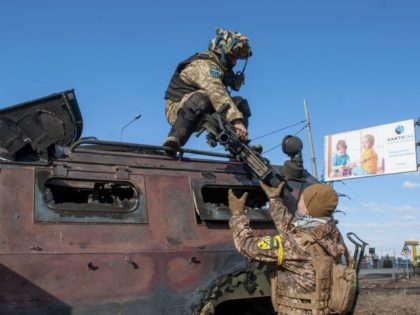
(356, 62)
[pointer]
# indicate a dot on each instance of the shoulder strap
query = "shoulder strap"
(177, 87)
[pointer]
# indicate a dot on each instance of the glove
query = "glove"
(272, 192)
(237, 205)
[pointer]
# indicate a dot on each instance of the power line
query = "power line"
(276, 146)
(300, 130)
(272, 132)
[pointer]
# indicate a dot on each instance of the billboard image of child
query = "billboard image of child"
(340, 161)
(368, 164)
(384, 149)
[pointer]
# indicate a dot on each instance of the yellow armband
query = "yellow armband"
(277, 239)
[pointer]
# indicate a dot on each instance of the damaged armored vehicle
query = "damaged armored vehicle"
(97, 227)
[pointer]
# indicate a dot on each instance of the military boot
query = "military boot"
(180, 132)
(171, 141)
(188, 119)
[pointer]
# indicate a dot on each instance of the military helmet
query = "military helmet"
(228, 42)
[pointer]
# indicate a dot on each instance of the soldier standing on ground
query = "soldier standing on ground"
(296, 288)
(199, 86)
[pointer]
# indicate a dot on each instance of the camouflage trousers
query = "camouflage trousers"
(172, 108)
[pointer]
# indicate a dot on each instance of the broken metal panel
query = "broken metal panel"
(33, 131)
(211, 196)
(90, 196)
(94, 200)
(20, 234)
(212, 200)
(59, 114)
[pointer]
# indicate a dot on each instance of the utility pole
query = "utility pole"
(311, 145)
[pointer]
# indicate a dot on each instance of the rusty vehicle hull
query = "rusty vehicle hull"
(126, 229)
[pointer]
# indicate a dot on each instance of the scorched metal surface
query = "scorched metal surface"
(95, 227)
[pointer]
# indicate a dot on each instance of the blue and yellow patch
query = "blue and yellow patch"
(215, 72)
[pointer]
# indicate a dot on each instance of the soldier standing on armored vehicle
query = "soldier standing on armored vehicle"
(199, 86)
(307, 246)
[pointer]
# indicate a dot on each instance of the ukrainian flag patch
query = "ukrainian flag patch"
(214, 72)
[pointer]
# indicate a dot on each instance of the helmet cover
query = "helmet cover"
(228, 42)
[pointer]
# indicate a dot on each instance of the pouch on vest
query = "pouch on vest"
(342, 281)
(273, 283)
(343, 289)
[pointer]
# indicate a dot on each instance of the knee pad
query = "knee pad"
(196, 106)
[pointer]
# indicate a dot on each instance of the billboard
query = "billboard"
(379, 150)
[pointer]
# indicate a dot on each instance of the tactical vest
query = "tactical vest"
(316, 303)
(177, 87)
(290, 302)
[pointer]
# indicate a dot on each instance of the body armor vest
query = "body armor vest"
(290, 302)
(177, 87)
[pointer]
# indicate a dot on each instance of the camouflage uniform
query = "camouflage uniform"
(207, 76)
(295, 281)
(199, 87)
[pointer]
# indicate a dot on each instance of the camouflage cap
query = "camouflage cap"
(228, 42)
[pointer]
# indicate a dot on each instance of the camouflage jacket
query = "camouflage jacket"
(289, 251)
(206, 75)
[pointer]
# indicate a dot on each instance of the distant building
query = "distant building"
(387, 262)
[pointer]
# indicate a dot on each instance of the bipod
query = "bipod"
(357, 258)
(358, 251)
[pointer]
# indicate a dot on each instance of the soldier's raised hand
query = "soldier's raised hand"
(237, 205)
(272, 192)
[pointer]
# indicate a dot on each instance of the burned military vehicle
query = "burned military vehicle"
(99, 227)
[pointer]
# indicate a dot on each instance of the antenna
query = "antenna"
(130, 122)
(311, 145)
